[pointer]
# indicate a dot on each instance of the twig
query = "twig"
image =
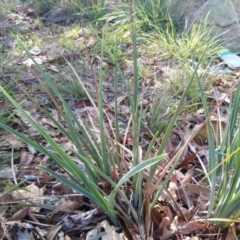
(13, 168)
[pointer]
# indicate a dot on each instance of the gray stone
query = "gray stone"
(222, 15)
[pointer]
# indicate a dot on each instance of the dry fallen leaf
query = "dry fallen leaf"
(31, 193)
(91, 110)
(189, 213)
(168, 228)
(217, 124)
(26, 157)
(19, 215)
(219, 96)
(188, 176)
(65, 206)
(29, 62)
(6, 173)
(92, 233)
(27, 75)
(14, 141)
(231, 232)
(51, 234)
(197, 190)
(54, 68)
(120, 98)
(173, 186)
(4, 198)
(91, 41)
(35, 51)
(110, 232)
(61, 189)
(188, 227)
(184, 162)
(79, 220)
(82, 103)
(23, 234)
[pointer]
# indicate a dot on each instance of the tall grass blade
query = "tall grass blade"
(211, 149)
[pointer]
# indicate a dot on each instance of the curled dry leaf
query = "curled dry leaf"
(162, 218)
(188, 227)
(110, 232)
(219, 96)
(19, 215)
(78, 220)
(217, 124)
(156, 217)
(185, 161)
(168, 228)
(51, 234)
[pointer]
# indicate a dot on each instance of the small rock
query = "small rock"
(83, 32)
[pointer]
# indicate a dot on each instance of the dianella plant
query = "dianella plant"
(129, 190)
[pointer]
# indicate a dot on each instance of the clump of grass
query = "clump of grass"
(46, 6)
(91, 10)
(223, 168)
(88, 10)
(30, 40)
(70, 87)
(190, 43)
(67, 43)
(101, 152)
(150, 15)
(8, 6)
(162, 109)
(153, 14)
(101, 156)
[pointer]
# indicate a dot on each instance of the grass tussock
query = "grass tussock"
(118, 120)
